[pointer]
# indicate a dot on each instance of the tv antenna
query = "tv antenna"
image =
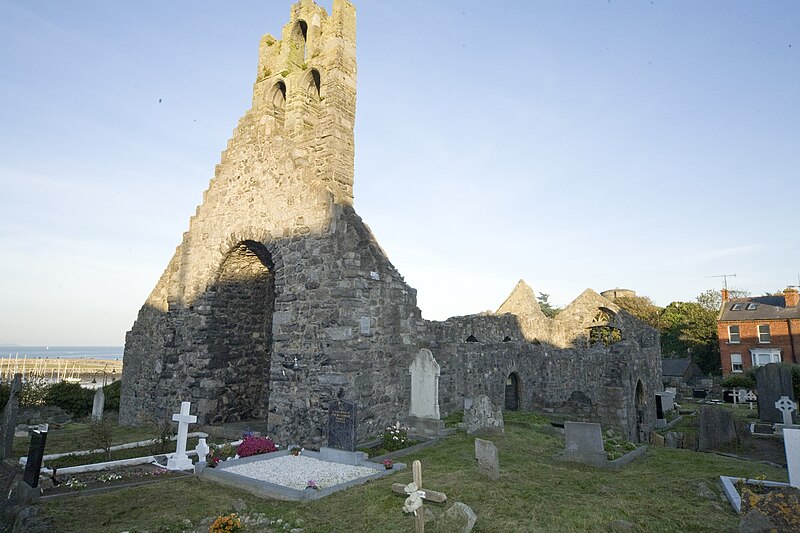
(724, 279)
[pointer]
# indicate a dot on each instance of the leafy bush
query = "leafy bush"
(34, 392)
(395, 438)
(252, 445)
(102, 435)
(111, 393)
(71, 397)
(740, 381)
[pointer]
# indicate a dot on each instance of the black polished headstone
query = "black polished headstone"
(342, 420)
(659, 407)
(773, 381)
(35, 456)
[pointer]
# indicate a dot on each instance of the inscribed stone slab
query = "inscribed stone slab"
(424, 386)
(483, 416)
(716, 428)
(342, 424)
(488, 462)
(773, 381)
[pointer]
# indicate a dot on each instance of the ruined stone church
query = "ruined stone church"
(279, 298)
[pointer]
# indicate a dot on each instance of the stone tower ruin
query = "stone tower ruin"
(279, 298)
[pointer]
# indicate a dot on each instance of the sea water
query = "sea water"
(64, 352)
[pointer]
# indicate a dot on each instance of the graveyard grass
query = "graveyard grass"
(535, 492)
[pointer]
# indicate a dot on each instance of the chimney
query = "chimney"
(725, 296)
(791, 296)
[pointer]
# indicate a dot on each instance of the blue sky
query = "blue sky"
(645, 145)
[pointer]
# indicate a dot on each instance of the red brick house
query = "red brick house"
(756, 331)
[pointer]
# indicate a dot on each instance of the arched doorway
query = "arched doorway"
(640, 407)
(239, 333)
(512, 392)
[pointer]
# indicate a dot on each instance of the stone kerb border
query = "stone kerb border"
(279, 492)
(729, 486)
(616, 464)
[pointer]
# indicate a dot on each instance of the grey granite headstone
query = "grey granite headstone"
(488, 463)
(342, 424)
(423, 416)
(773, 381)
(460, 518)
(99, 404)
(483, 417)
(10, 414)
(35, 456)
(716, 428)
(584, 442)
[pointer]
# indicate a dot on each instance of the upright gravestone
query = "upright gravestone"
(716, 428)
(488, 463)
(791, 443)
(98, 405)
(35, 455)
(10, 417)
(483, 417)
(584, 443)
(179, 460)
(342, 425)
(773, 381)
(423, 417)
(786, 407)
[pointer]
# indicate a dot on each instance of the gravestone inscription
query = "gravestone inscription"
(342, 425)
(35, 456)
(10, 414)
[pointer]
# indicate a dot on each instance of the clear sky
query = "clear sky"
(644, 145)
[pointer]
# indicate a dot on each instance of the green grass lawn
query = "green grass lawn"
(534, 493)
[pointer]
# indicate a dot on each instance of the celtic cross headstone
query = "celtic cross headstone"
(786, 407)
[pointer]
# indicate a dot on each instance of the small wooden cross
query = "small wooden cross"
(416, 494)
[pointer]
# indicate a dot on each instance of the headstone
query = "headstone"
(483, 417)
(416, 496)
(751, 397)
(202, 450)
(786, 407)
(460, 518)
(716, 428)
(423, 417)
(179, 460)
(741, 395)
(342, 424)
(773, 382)
(488, 463)
(35, 455)
(99, 404)
(673, 391)
(699, 393)
(668, 400)
(584, 442)
(659, 407)
(10, 414)
(791, 443)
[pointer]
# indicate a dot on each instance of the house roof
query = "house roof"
(674, 367)
(757, 308)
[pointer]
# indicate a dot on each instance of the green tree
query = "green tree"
(642, 308)
(690, 329)
(544, 304)
(712, 298)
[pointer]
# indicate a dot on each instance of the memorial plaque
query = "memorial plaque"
(342, 423)
(35, 455)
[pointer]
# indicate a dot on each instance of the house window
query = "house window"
(736, 307)
(763, 334)
(733, 334)
(751, 306)
(736, 362)
(765, 356)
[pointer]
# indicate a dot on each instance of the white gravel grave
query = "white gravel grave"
(295, 471)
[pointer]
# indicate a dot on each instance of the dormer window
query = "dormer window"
(736, 307)
(751, 306)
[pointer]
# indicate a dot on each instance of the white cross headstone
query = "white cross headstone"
(791, 443)
(202, 450)
(786, 407)
(741, 395)
(751, 397)
(179, 460)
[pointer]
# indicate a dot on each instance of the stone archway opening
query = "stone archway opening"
(239, 333)
(512, 392)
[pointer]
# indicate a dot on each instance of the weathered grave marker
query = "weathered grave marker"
(786, 407)
(415, 495)
(98, 404)
(584, 442)
(179, 460)
(791, 443)
(342, 424)
(774, 381)
(423, 416)
(488, 463)
(10, 417)
(482, 416)
(35, 455)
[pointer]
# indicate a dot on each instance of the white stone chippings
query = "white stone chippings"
(294, 472)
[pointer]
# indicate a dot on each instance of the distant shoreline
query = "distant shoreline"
(62, 352)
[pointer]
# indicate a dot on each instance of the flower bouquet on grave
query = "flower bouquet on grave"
(295, 450)
(229, 523)
(219, 453)
(312, 485)
(252, 445)
(388, 464)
